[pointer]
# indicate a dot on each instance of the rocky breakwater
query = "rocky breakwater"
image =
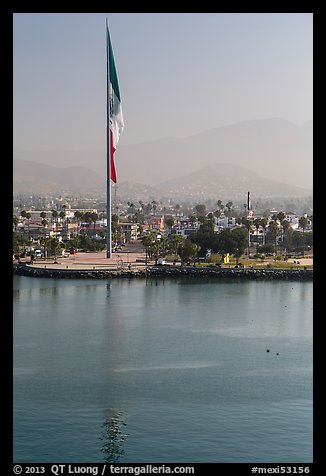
(25, 270)
(167, 272)
(226, 273)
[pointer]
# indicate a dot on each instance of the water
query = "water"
(162, 371)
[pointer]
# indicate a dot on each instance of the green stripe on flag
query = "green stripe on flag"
(113, 71)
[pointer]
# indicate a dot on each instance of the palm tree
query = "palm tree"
(45, 242)
(94, 217)
(169, 222)
(88, 217)
(131, 206)
(174, 242)
(192, 219)
(280, 216)
(15, 221)
(147, 241)
(285, 228)
(303, 222)
(55, 218)
(78, 215)
(263, 224)
(28, 217)
(177, 208)
(62, 214)
(200, 210)
(274, 230)
(154, 203)
(229, 206)
(44, 224)
(257, 224)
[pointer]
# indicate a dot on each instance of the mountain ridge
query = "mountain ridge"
(227, 181)
(273, 147)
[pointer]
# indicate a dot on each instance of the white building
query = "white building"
(293, 219)
(226, 222)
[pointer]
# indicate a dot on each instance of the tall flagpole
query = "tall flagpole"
(108, 149)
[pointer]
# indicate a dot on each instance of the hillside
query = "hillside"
(275, 149)
(222, 181)
(35, 178)
(227, 182)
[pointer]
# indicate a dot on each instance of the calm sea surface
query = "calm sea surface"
(162, 371)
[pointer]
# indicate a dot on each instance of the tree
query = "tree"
(62, 214)
(273, 230)
(55, 215)
(28, 217)
(44, 224)
(169, 221)
(303, 222)
(45, 242)
(192, 219)
(94, 218)
(285, 227)
(240, 240)
(220, 205)
(174, 242)
(147, 241)
(263, 224)
(229, 207)
(148, 208)
(116, 228)
(200, 210)
(87, 217)
(177, 208)
(233, 242)
(207, 225)
(257, 223)
(51, 246)
(78, 215)
(280, 216)
(187, 250)
(115, 223)
(288, 242)
(206, 240)
(15, 221)
(154, 204)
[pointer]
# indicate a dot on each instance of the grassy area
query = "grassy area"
(248, 263)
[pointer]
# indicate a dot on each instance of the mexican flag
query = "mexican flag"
(116, 123)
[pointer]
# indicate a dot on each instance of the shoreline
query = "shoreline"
(165, 272)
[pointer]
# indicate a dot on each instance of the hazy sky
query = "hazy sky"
(179, 74)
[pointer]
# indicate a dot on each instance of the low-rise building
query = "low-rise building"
(130, 230)
(226, 222)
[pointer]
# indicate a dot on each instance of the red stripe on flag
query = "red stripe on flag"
(113, 174)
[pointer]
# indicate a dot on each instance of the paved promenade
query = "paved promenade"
(131, 256)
